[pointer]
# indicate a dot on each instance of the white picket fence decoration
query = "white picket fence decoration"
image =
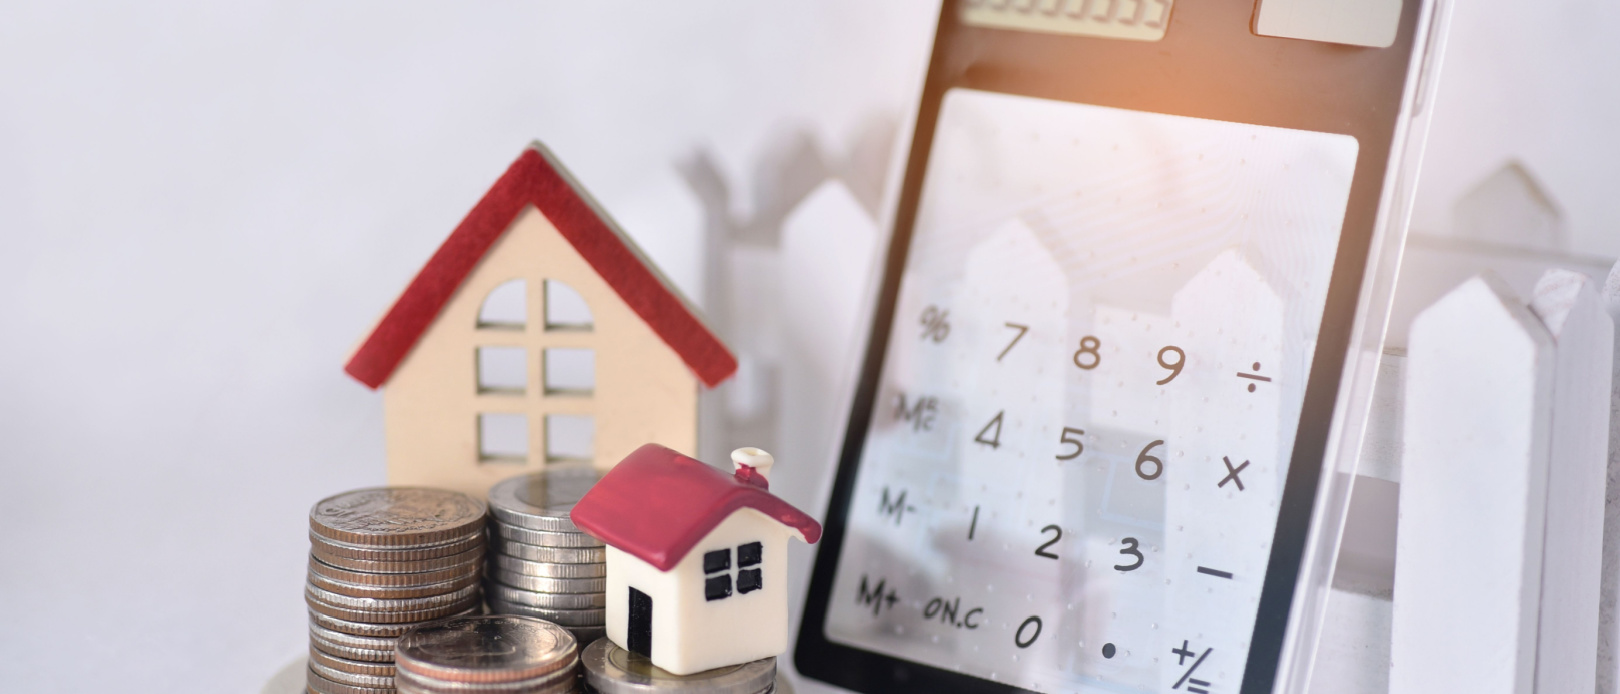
(1569, 305)
(1608, 672)
(1498, 556)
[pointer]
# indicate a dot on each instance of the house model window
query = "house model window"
(568, 372)
(717, 570)
(503, 370)
(566, 309)
(503, 437)
(570, 438)
(749, 579)
(506, 307)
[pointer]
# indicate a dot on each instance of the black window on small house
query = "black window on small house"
(717, 585)
(718, 575)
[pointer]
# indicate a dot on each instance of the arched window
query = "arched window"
(506, 306)
(566, 309)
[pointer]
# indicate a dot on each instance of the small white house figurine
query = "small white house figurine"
(696, 558)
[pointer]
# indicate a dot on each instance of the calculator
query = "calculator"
(1120, 357)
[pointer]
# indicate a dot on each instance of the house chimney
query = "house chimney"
(753, 466)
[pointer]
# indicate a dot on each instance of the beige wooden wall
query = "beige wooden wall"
(644, 392)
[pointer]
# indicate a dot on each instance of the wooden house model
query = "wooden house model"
(696, 558)
(537, 333)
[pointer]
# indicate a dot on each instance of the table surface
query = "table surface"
(290, 680)
(1353, 658)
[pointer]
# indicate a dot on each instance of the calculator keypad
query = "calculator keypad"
(1081, 430)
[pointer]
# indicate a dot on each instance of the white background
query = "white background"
(204, 205)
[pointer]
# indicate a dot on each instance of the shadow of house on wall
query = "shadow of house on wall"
(1511, 208)
(742, 247)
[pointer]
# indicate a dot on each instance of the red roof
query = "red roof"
(537, 179)
(658, 504)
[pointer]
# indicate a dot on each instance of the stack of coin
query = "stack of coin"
(542, 565)
(381, 562)
(495, 654)
(613, 670)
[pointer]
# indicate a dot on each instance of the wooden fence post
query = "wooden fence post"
(1473, 495)
(1499, 557)
(1569, 306)
(1608, 671)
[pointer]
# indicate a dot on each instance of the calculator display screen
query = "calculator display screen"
(1139, 20)
(1085, 414)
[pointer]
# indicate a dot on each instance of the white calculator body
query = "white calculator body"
(1120, 337)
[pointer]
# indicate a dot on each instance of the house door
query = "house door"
(640, 627)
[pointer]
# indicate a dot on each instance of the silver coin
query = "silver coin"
(558, 586)
(355, 590)
(555, 555)
(565, 618)
(400, 580)
(504, 581)
(366, 616)
(549, 585)
(545, 568)
(353, 667)
(542, 538)
(774, 689)
(348, 640)
(487, 649)
(323, 547)
(370, 655)
(429, 602)
(454, 561)
(550, 601)
(351, 678)
(567, 687)
(321, 685)
(542, 500)
(613, 670)
(396, 516)
(562, 682)
(374, 629)
(588, 635)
